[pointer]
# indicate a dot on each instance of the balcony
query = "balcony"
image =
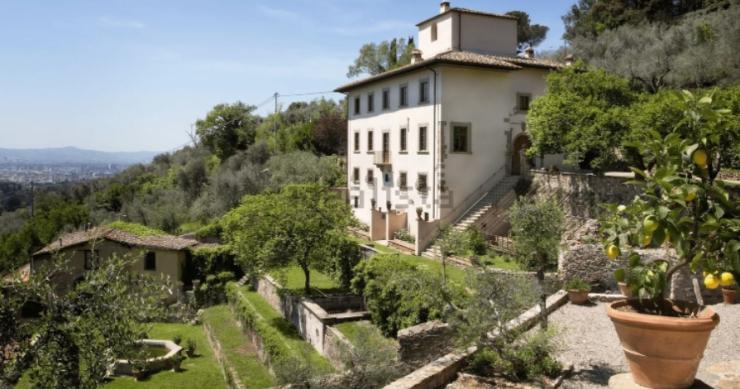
(382, 158)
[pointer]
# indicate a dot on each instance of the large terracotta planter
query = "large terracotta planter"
(663, 352)
(728, 295)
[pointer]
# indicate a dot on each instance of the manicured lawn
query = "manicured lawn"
(293, 279)
(285, 331)
(454, 273)
(500, 262)
(201, 371)
(237, 348)
(357, 332)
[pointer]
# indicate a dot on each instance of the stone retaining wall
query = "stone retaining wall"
(443, 370)
(425, 342)
(312, 321)
(583, 192)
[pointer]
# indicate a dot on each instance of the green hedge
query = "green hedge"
(280, 340)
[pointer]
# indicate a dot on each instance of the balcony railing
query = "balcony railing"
(382, 158)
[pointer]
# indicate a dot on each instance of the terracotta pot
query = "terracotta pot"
(624, 289)
(578, 297)
(728, 295)
(663, 352)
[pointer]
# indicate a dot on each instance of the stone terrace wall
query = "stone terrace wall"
(583, 192)
(425, 342)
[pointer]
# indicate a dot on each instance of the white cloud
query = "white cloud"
(278, 13)
(106, 21)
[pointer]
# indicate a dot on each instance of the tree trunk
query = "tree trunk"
(444, 269)
(543, 298)
(307, 277)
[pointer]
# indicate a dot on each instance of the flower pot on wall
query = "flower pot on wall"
(578, 297)
(624, 289)
(729, 295)
(663, 352)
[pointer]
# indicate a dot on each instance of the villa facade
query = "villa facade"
(436, 135)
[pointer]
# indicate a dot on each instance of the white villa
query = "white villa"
(444, 135)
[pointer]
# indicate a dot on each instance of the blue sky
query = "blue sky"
(135, 75)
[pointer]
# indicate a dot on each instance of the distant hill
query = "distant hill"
(73, 155)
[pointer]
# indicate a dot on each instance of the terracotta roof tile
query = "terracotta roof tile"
(467, 11)
(164, 242)
(457, 57)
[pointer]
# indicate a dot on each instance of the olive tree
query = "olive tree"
(537, 227)
(77, 332)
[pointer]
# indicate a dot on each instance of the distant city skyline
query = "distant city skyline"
(134, 75)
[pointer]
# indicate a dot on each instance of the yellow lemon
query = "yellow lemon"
(612, 251)
(726, 279)
(650, 224)
(690, 195)
(647, 240)
(700, 158)
(711, 282)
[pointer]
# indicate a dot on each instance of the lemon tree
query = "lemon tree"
(682, 205)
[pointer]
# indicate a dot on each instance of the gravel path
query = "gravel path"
(587, 339)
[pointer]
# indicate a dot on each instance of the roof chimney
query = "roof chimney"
(444, 7)
(529, 52)
(416, 56)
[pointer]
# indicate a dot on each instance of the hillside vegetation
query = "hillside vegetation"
(235, 152)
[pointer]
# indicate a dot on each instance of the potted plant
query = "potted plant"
(624, 289)
(577, 291)
(682, 209)
(727, 281)
(419, 211)
(372, 203)
(177, 362)
(190, 348)
(138, 368)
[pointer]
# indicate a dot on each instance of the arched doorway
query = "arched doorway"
(519, 161)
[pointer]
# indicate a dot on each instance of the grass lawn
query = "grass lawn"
(288, 334)
(358, 331)
(200, 372)
(238, 348)
(293, 279)
(500, 262)
(454, 273)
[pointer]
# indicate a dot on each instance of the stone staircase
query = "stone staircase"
(486, 203)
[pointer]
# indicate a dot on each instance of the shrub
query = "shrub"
(285, 360)
(499, 299)
(177, 339)
(399, 294)
(212, 291)
(404, 235)
(476, 240)
(526, 359)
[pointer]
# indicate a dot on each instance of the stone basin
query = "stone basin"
(153, 365)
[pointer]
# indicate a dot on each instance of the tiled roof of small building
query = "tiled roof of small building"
(467, 11)
(163, 242)
(457, 57)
